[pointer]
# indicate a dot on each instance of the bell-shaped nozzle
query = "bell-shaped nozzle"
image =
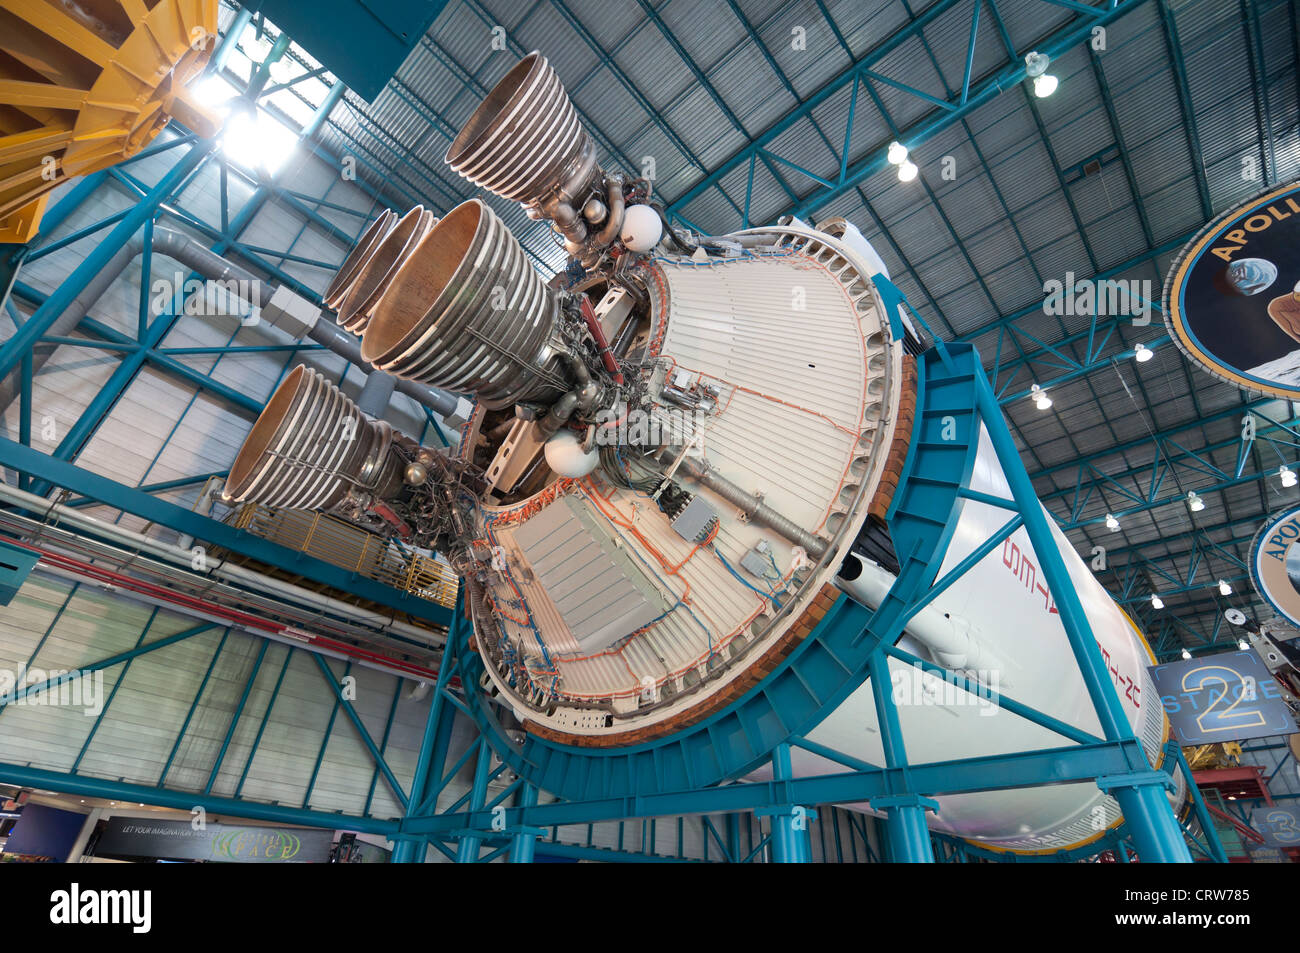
(381, 264)
(346, 276)
(525, 140)
(311, 448)
(466, 312)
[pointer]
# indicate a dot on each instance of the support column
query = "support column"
(524, 843)
(908, 835)
(433, 750)
(1208, 830)
(467, 852)
(789, 821)
(1140, 792)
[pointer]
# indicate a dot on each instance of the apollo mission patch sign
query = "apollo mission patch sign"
(1232, 299)
(1275, 563)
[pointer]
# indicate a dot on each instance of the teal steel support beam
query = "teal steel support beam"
(324, 744)
(189, 716)
(524, 842)
(213, 532)
(789, 822)
(357, 723)
(433, 746)
(27, 776)
(12, 351)
(909, 836)
(471, 839)
(59, 678)
(1141, 796)
(266, 717)
(237, 714)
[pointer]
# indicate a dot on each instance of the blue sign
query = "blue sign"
(1279, 825)
(1228, 697)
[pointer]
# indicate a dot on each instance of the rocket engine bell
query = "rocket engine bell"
(675, 464)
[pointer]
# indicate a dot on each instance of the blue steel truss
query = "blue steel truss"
(1019, 358)
(683, 774)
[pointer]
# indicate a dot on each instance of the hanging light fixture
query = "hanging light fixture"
(1288, 476)
(1243, 645)
(1225, 587)
(907, 171)
(1039, 397)
(1045, 85)
(1156, 601)
(1186, 655)
(1142, 353)
(897, 154)
(1112, 524)
(1036, 69)
(1194, 502)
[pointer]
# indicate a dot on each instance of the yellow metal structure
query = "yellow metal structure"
(85, 84)
(1223, 755)
(344, 545)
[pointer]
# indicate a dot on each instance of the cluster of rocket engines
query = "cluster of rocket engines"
(682, 446)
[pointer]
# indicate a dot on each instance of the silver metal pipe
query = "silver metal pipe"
(226, 571)
(375, 394)
(183, 249)
(751, 505)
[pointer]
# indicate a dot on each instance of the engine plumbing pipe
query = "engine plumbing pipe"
(602, 342)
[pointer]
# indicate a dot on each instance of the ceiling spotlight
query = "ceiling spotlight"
(1194, 502)
(255, 139)
(1039, 397)
(1142, 354)
(1156, 601)
(1225, 588)
(1288, 476)
(907, 171)
(1186, 655)
(1036, 69)
(1243, 645)
(897, 153)
(1112, 524)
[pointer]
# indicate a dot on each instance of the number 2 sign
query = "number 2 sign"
(1228, 697)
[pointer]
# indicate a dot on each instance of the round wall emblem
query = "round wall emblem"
(1275, 563)
(1232, 298)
